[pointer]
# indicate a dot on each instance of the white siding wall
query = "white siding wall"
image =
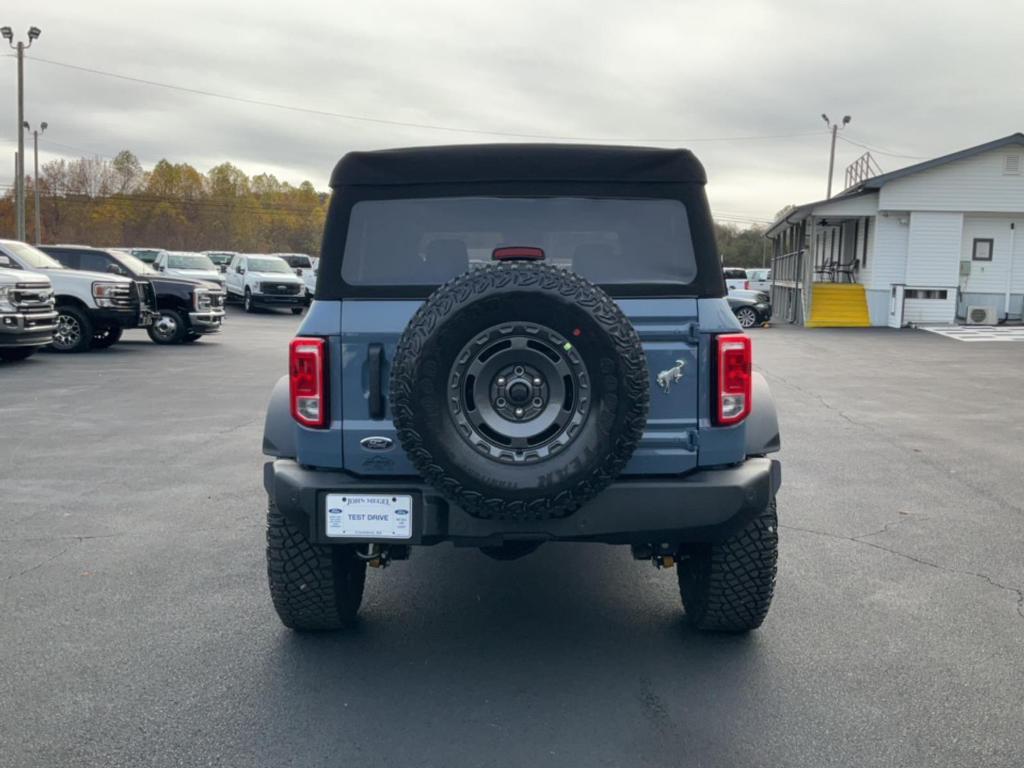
(933, 251)
(975, 184)
(991, 276)
(930, 311)
(887, 263)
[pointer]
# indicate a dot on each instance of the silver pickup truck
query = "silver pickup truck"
(27, 315)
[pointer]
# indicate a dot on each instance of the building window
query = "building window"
(982, 250)
(925, 293)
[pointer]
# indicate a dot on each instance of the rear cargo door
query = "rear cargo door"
(667, 329)
(370, 333)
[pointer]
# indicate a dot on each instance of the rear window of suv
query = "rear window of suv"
(428, 241)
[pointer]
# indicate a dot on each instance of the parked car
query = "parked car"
(760, 279)
(220, 259)
(752, 295)
(193, 265)
(750, 312)
(304, 268)
(27, 315)
(186, 309)
(501, 369)
(147, 255)
(93, 308)
(265, 281)
(736, 279)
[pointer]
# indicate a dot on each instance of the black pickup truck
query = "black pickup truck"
(187, 309)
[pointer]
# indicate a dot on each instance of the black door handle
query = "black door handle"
(375, 360)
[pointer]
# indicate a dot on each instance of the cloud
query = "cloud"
(916, 83)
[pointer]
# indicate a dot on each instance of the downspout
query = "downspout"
(1009, 276)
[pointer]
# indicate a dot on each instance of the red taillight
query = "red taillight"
(734, 361)
(746, 285)
(518, 253)
(307, 376)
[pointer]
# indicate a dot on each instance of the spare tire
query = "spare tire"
(519, 391)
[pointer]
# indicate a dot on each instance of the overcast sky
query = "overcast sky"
(919, 79)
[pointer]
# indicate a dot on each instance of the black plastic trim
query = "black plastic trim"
(702, 506)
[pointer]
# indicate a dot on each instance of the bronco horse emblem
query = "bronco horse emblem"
(670, 376)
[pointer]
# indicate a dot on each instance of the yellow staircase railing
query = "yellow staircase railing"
(838, 305)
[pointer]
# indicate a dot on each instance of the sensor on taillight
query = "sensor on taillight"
(307, 376)
(734, 361)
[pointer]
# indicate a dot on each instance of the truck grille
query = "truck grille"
(280, 289)
(124, 296)
(32, 298)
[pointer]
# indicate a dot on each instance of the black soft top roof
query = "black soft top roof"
(516, 163)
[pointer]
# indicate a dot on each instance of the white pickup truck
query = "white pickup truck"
(304, 267)
(93, 308)
(27, 317)
(265, 281)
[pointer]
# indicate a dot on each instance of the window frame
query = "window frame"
(991, 248)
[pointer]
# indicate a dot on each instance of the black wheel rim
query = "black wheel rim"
(519, 392)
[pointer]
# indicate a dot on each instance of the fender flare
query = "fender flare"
(278, 427)
(763, 421)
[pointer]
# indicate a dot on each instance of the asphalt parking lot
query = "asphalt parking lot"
(137, 629)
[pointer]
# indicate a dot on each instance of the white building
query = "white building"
(919, 245)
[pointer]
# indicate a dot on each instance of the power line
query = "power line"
(405, 124)
(876, 150)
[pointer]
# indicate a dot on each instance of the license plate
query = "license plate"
(369, 516)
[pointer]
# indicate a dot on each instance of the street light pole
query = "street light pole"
(19, 183)
(35, 176)
(832, 153)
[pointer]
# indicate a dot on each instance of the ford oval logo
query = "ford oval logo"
(376, 443)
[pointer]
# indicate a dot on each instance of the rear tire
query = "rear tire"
(247, 304)
(728, 587)
(103, 338)
(313, 587)
(74, 330)
(15, 354)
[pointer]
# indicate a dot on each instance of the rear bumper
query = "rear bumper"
(703, 506)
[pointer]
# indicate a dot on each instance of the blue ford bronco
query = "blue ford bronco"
(519, 344)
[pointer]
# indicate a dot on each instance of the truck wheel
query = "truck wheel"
(102, 338)
(247, 304)
(15, 354)
(74, 330)
(728, 587)
(169, 328)
(313, 587)
(519, 391)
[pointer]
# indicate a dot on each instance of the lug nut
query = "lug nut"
(519, 412)
(500, 402)
(501, 381)
(537, 382)
(537, 402)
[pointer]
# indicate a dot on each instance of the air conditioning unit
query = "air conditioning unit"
(981, 316)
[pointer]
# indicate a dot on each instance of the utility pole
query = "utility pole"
(834, 127)
(35, 176)
(19, 183)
